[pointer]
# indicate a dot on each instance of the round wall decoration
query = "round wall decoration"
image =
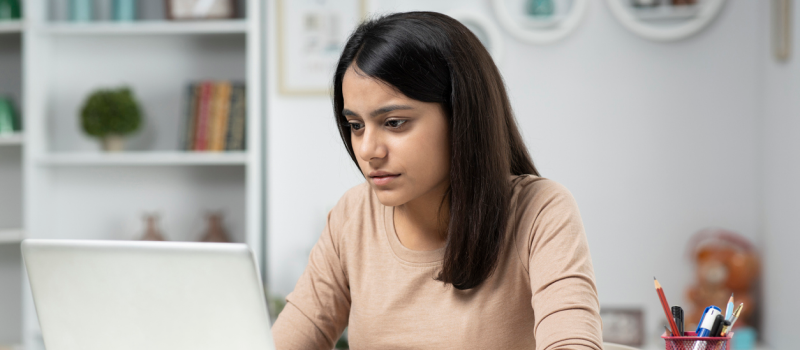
(540, 21)
(665, 20)
(485, 29)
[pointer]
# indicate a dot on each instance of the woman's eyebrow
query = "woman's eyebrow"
(379, 111)
(387, 109)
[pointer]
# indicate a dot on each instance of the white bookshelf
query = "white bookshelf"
(72, 190)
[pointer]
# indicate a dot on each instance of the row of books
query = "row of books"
(215, 116)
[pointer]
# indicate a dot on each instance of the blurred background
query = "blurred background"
(674, 123)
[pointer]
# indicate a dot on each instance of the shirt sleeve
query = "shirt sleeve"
(564, 294)
(317, 311)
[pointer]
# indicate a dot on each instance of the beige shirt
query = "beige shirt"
(542, 295)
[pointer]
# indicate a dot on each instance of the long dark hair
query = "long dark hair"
(431, 57)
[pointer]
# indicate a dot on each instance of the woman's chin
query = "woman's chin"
(390, 198)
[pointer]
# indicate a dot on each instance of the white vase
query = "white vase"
(113, 143)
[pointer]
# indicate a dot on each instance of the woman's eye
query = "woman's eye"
(355, 126)
(395, 123)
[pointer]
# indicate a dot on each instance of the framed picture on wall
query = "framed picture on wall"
(200, 9)
(623, 325)
(311, 35)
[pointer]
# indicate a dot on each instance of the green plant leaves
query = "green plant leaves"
(111, 112)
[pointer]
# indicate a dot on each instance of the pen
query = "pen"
(726, 325)
(717, 327)
(703, 317)
(729, 308)
(665, 305)
(677, 314)
(736, 314)
(705, 327)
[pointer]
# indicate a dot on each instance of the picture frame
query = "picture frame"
(666, 22)
(310, 38)
(200, 9)
(623, 325)
(563, 20)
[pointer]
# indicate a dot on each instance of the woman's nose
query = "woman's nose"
(372, 145)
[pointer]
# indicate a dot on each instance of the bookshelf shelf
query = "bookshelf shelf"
(11, 235)
(14, 139)
(238, 26)
(14, 26)
(176, 158)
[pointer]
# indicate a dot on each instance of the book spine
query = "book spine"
(191, 116)
(203, 116)
(211, 123)
(238, 119)
(231, 117)
(222, 105)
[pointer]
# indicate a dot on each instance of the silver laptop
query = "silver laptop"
(101, 295)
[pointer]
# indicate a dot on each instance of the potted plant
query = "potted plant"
(109, 115)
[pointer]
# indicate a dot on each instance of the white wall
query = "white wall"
(781, 153)
(655, 140)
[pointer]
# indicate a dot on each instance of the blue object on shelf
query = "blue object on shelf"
(80, 10)
(124, 10)
(540, 8)
(744, 338)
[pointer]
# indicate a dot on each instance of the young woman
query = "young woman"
(453, 241)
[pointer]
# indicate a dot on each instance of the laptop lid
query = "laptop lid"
(129, 295)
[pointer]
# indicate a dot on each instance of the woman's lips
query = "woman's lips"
(383, 180)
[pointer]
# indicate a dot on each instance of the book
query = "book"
(215, 116)
(236, 136)
(203, 116)
(219, 122)
(192, 98)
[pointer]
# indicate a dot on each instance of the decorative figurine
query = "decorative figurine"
(151, 232)
(726, 263)
(215, 231)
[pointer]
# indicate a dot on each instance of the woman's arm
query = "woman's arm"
(564, 298)
(317, 311)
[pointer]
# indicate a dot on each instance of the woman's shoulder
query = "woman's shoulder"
(542, 209)
(527, 188)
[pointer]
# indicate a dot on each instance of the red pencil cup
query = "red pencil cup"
(693, 342)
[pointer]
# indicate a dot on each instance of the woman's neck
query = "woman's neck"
(421, 224)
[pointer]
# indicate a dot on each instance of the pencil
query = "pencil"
(665, 305)
(729, 309)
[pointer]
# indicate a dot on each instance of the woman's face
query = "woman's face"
(402, 145)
